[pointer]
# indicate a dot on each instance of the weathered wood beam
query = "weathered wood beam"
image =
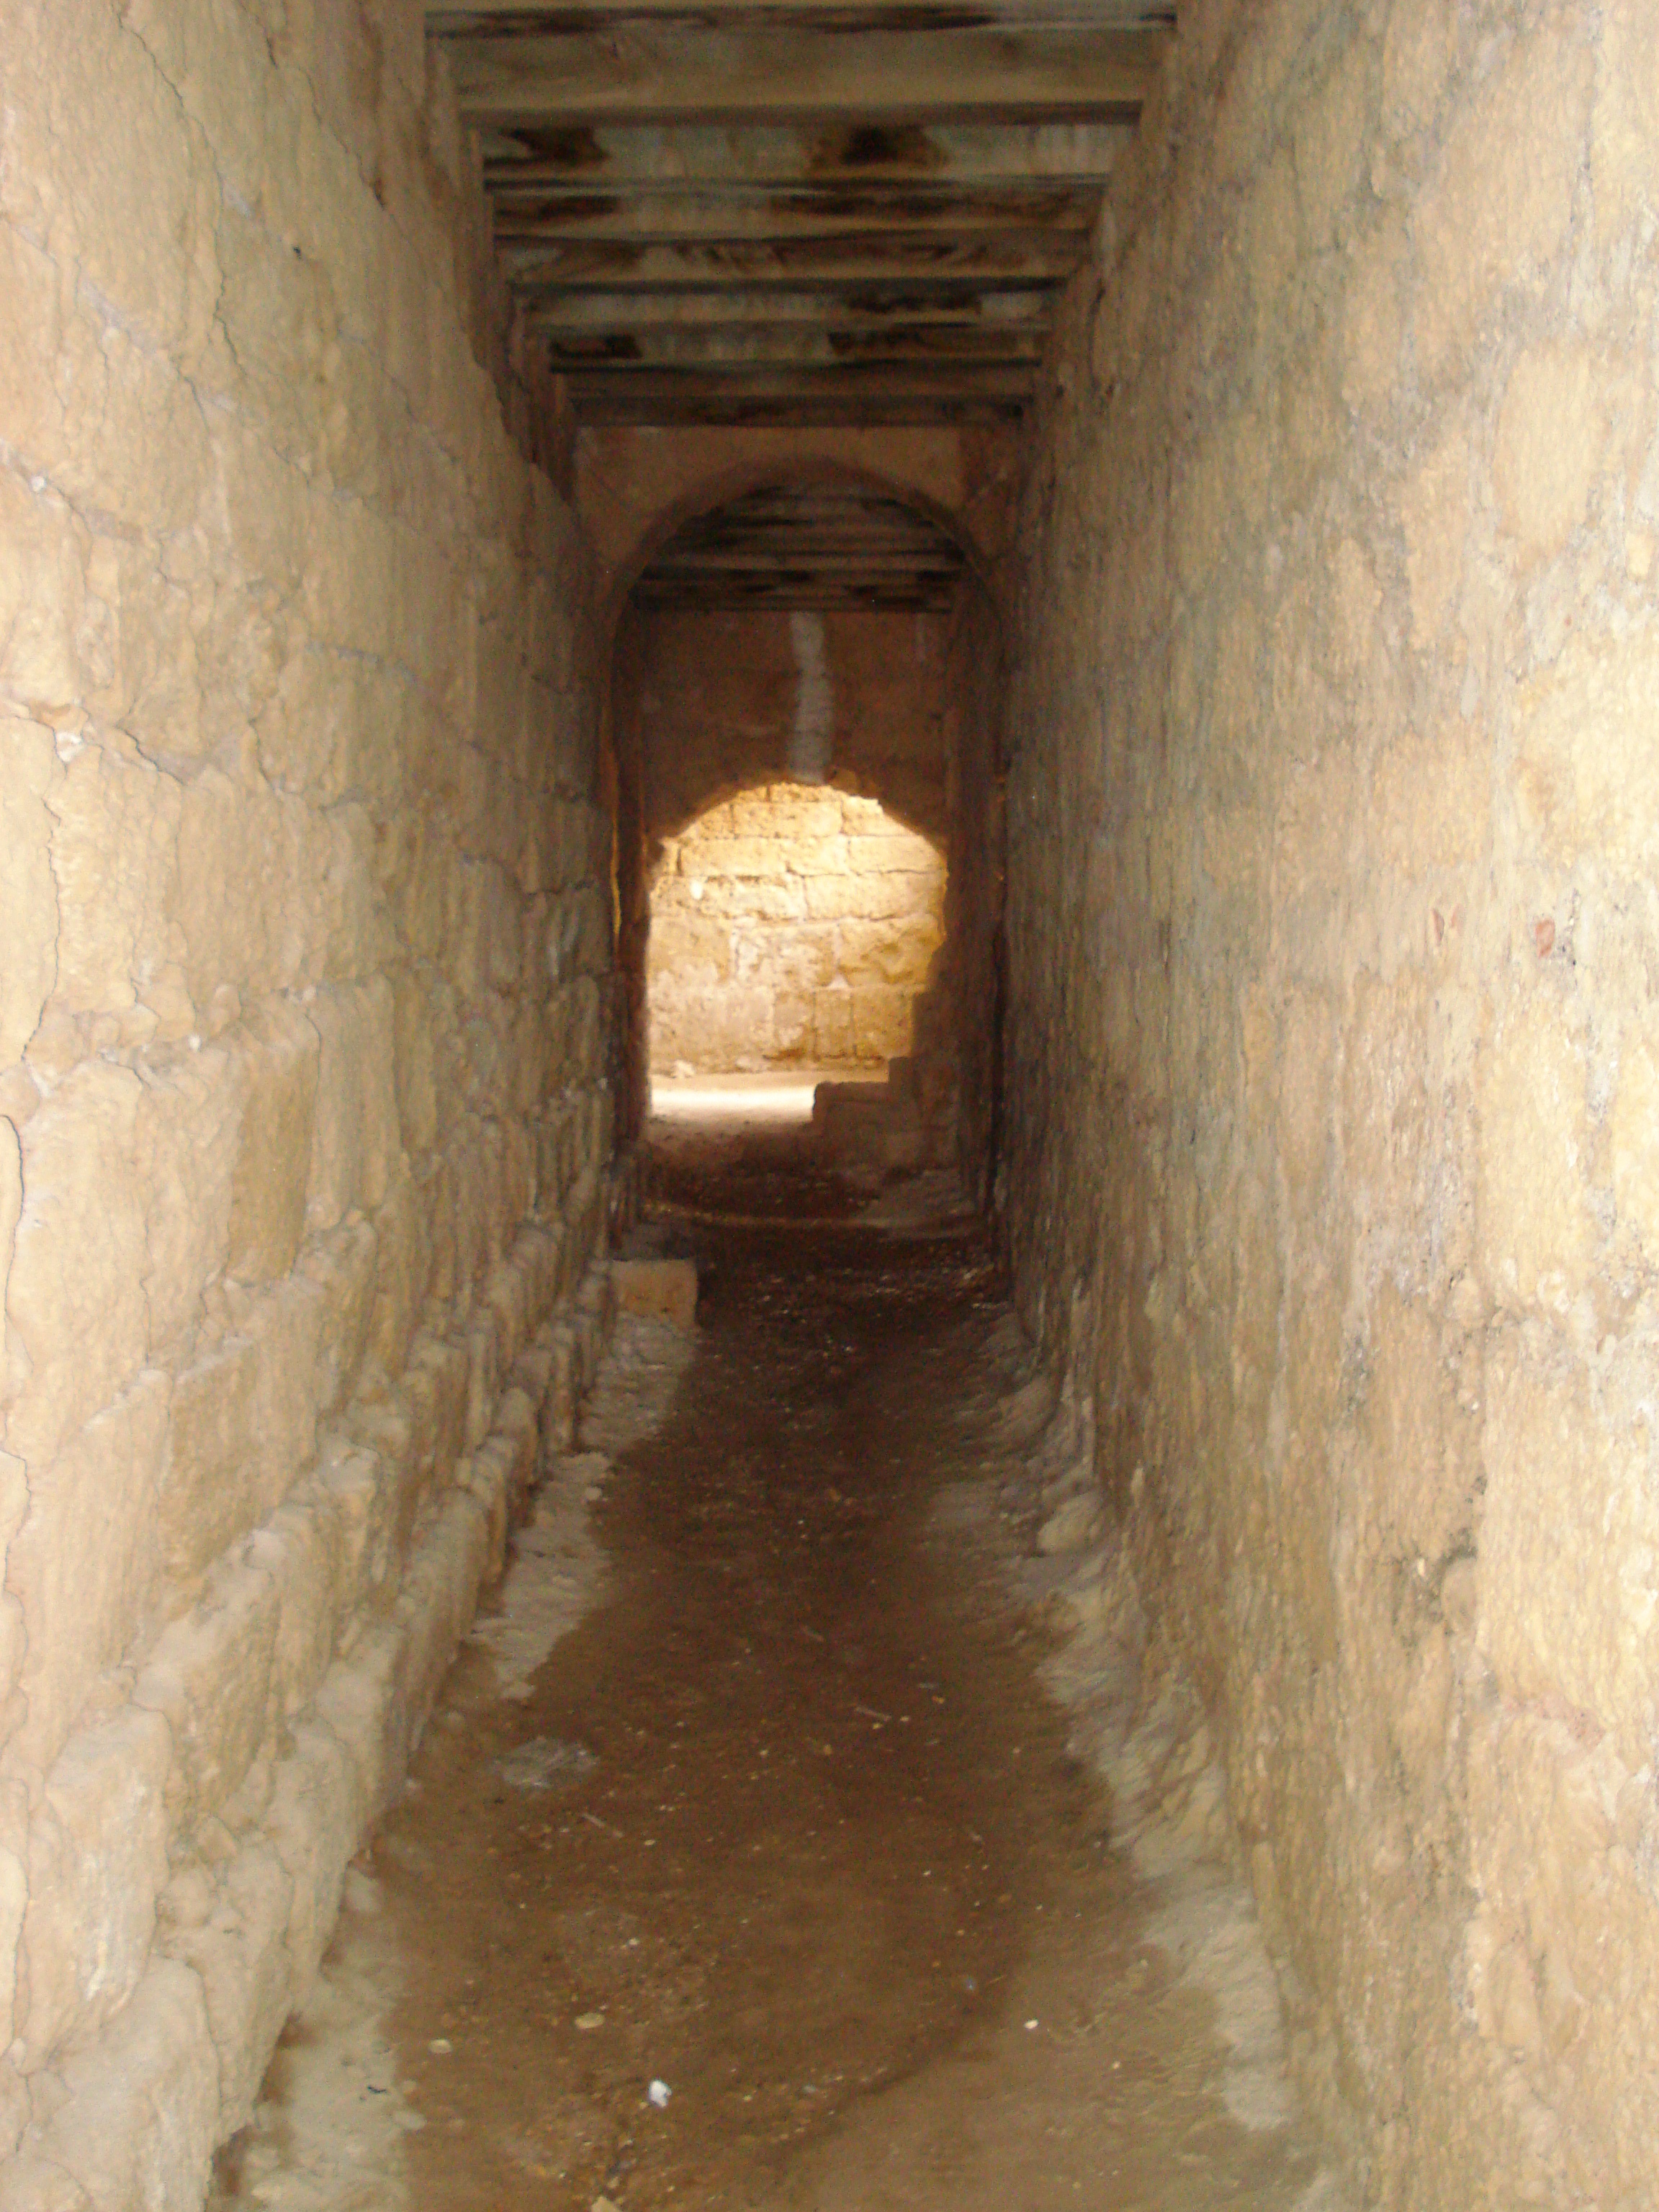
(847, 308)
(885, 257)
(537, 18)
(847, 394)
(676, 74)
(633, 352)
(790, 595)
(808, 214)
(697, 157)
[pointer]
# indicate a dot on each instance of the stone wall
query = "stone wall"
(304, 954)
(790, 924)
(1333, 1055)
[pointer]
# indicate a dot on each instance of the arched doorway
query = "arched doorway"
(815, 637)
(793, 927)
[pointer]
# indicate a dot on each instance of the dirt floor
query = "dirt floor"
(776, 1884)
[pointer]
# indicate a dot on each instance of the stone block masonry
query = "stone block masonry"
(305, 990)
(791, 924)
(1332, 1076)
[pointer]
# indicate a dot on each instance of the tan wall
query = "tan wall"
(721, 707)
(790, 924)
(1334, 1065)
(304, 955)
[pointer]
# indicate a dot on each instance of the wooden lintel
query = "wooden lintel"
(538, 219)
(553, 18)
(633, 352)
(608, 314)
(802, 396)
(695, 157)
(888, 256)
(677, 75)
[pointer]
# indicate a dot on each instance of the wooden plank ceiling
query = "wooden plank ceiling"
(797, 211)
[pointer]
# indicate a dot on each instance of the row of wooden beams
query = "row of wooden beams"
(755, 211)
(675, 74)
(659, 157)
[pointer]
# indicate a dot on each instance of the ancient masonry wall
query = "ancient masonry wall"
(1334, 1061)
(791, 924)
(304, 955)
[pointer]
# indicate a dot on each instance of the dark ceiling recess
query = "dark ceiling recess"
(823, 546)
(796, 210)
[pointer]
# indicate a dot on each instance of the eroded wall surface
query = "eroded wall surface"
(790, 925)
(304, 952)
(1333, 1060)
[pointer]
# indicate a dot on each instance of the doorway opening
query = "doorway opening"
(793, 929)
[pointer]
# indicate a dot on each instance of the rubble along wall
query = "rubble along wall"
(304, 977)
(790, 924)
(1333, 1058)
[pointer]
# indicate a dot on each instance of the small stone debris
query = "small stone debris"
(587, 2021)
(545, 1763)
(658, 2093)
(441, 2046)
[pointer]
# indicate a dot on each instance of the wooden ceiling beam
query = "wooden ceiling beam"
(648, 217)
(890, 395)
(681, 75)
(537, 18)
(889, 257)
(631, 353)
(603, 313)
(696, 157)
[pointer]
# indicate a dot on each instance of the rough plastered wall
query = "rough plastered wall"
(1334, 1034)
(791, 924)
(303, 971)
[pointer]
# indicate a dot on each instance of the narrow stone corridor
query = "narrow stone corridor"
(994, 669)
(788, 1824)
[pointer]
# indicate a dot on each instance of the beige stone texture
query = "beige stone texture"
(1537, 1232)
(778, 905)
(97, 1862)
(1331, 1075)
(1551, 434)
(298, 794)
(664, 1290)
(29, 897)
(1569, 1550)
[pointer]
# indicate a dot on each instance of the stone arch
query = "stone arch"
(636, 490)
(946, 787)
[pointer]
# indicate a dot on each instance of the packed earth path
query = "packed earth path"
(778, 1882)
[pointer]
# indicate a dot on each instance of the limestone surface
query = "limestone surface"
(1330, 1076)
(304, 1110)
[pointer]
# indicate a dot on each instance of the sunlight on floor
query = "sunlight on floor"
(776, 1099)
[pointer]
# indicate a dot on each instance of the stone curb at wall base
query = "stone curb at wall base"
(141, 2108)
